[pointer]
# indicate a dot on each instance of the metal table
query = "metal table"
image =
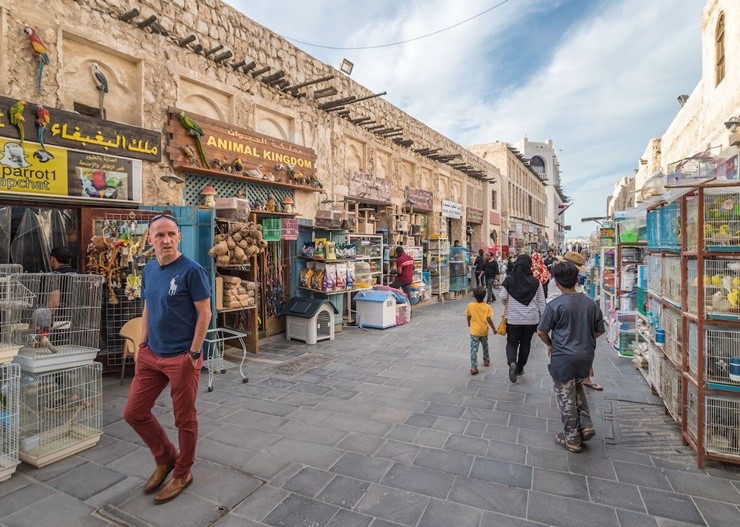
(215, 345)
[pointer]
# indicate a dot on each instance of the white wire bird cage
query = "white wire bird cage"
(8, 269)
(10, 375)
(14, 298)
(61, 413)
(61, 327)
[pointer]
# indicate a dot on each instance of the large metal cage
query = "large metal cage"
(61, 327)
(61, 413)
(14, 299)
(10, 375)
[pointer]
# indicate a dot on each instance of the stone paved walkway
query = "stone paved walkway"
(389, 429)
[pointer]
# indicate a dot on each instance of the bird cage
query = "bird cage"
(61, 327)
(670, 321)
(61, 413)
(655, 273)
(722, 425)
(10, 375)
(670, 389)
(14, 299)
(671, 280)
(8, 269)
(721, 288)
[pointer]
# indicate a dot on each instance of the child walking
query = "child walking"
(479, 315)
(569, 328)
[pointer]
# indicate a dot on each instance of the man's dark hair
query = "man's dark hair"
(566, 274)
(62, 255)
(399, 250)
(479, 293)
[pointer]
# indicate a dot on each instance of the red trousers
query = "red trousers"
(153, 373)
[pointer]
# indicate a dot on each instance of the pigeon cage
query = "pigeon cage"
(14, 300)
(61, 413)
(61, 327)
(10, 375)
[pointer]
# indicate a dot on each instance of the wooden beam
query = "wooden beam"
(296, 87)
(249, 67)
(336, 102)
(256, 73)
(267, 79)
(326, 92)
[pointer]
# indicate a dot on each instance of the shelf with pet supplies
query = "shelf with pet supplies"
(242, 177)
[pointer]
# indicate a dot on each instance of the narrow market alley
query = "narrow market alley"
(388, 427)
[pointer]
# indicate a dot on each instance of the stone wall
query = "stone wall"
(149, 72)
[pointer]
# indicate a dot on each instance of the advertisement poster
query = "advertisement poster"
(58, 172)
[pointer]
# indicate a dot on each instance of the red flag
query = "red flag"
(563, 207)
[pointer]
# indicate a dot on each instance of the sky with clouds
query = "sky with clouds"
(598, 77)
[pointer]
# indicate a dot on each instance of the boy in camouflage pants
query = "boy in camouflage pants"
(569, 328)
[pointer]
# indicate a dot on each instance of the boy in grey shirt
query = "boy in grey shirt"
(569, 328)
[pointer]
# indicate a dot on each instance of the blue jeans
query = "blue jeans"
(474, 349)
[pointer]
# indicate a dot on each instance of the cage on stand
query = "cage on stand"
(60, 326)
(10, 375)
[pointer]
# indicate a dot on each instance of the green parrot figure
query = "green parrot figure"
(196, 131)
(16, 117)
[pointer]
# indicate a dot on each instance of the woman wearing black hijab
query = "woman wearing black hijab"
(526, 300)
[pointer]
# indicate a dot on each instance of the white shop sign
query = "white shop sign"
(450, 209)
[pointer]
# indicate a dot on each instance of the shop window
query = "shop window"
(27, 235)
(719, 48)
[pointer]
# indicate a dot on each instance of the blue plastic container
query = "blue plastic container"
(735, 369)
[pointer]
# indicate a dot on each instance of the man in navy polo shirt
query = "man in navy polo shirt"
(176, 316)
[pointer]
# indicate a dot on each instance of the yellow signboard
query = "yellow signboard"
(30, 169)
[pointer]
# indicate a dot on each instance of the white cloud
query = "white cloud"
(609, 86)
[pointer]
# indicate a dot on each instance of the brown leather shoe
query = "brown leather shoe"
(158, 476)
(173, 489)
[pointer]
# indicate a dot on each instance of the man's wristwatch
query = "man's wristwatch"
(195, 355)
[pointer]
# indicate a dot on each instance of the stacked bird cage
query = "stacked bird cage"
(670, 320)
(60, 328)
(671, 280)
(61, 413)
(722, 425)
(14, 299)
(670, 389)
(10, 375)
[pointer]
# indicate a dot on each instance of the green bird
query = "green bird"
(16, 117)
(196, 131)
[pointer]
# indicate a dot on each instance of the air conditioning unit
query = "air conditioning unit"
(309, 320)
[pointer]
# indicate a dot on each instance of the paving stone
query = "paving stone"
(396, 401)
(310, 415)
(671, 505)
(641, 475)
(542, 458)
(354, 423)
(485, 415)
(53, 470)
(538, 438)
(490, 496)
(393, 505)
(512, 474)
(227, 455)
(422, 481)
(297, 511)
(703, 486)
(510, 452)
(259, 504)
(114, 492)
(345, 518)
(475, 429)
(272, 382)
(500, 433)
(321, 435)
(361, 467)
(403, 433)
(379, 522)
(312, 454)
(567, 512)
(445, 514)
(392, 415)
(251, 419)
(431, 438)
(398, 451)
(309, 482)
(467, 445)
(244, 437)
(450, 424)
(560, 484)
(450, 462)
(716, 513)
(23, 497)
(361, 443)
(635, 519)
(421, 420)
(302, 400)
(60, 506)
(108, 449)
(517, 408)
(232, 520)
(343, 491)
(265, 466)
(86, 480)
(590, 466)
(494, 519)
(271, 407)
(480, 403)
(528, 422)
(621, 495)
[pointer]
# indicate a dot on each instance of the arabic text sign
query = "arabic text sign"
(694, 171)
(226, 143)
(450, 209)
(366, 186)
(58, 172)
(79, 132)
(474, 215)
(421, 199)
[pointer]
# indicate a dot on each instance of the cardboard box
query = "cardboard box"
(233, 208)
